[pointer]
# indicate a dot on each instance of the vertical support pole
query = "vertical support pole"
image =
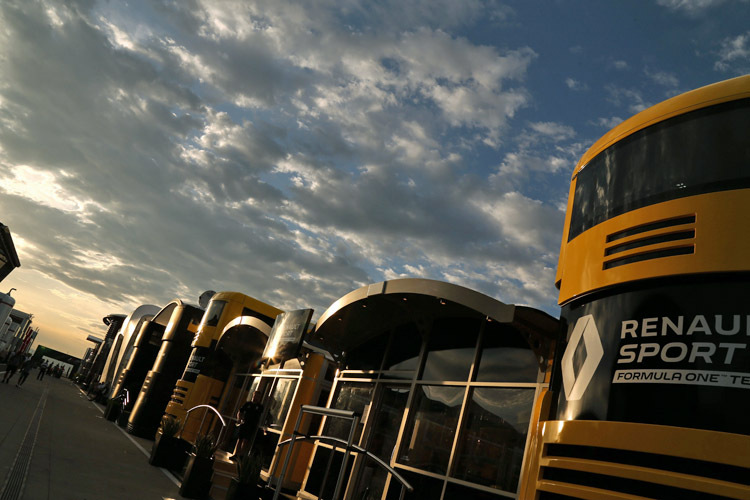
(342, 471)
(282, 476)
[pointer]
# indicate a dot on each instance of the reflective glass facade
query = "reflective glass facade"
(447, 403)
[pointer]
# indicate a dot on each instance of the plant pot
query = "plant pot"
(122, 418)
(197, 480)
(169, 452)
(113, 410)
(242, 491)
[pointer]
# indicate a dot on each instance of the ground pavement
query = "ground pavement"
(54, 444)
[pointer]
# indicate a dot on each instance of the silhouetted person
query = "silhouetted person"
(15, 361)
(100, 390)
(249, 419)
(42, 370)
(25, 370)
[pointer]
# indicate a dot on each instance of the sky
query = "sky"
(296, 151)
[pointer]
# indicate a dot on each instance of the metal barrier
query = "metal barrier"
(348, 446)
(125, 396)
(208, 407)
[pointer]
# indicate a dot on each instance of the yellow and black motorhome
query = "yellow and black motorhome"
(650, 391)
(210, 365)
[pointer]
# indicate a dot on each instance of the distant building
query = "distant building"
(13, 334)
(69, 363)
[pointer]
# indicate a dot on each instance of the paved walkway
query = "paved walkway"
(55, 444)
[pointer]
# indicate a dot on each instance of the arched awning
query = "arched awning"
(244, 338)
(375, 309)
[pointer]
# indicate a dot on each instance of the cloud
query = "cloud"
(734, 54)
(663, 78)
(573, 84)
(631, 99)
(554, 131)
(609, 122)
(290, 151)
(620, 65)
(690, 7)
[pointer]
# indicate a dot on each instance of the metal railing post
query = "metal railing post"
(282, 476)
(349, 447)
(349, 442)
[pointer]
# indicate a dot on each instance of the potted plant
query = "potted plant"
(169, 451)
(245, 485)
(114, 405)
(200, 466)
(123, 417)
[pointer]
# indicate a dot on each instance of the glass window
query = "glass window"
(429, 434)
(238, 394)
(506, 356)
(490, 449)
(450, 349)
(403, 355)
(386, 421)
(279, 403)
(698, 152)
(317, 483)
(349, 396)
(212, 315)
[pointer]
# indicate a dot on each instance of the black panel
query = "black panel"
(699, 152)
(653, 371)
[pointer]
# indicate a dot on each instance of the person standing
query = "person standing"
(248, 417)
(25, 369)
(15, 361)
(42, 370)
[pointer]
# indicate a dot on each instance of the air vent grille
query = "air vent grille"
(652, 244)
(651, 226)
(616, 473)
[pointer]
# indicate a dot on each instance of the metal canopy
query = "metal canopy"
(244, 338)
(375, 309)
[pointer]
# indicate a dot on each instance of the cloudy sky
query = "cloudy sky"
(295, 151)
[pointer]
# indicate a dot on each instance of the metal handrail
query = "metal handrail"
(356, 448)
(187, 415)
(348, 447)
(124, 397)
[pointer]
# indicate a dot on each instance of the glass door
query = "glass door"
(381, 433)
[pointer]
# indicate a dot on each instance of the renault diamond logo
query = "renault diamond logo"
(574, 385)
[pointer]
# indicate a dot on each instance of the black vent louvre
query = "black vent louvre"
(656, 254)
(561, 476)
(677, 221)
(681, 237)
(651, 240)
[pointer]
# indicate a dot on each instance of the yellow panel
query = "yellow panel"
(668, 478)
(530, 469)
(722, 244)
(585, 492)
(698, 444)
